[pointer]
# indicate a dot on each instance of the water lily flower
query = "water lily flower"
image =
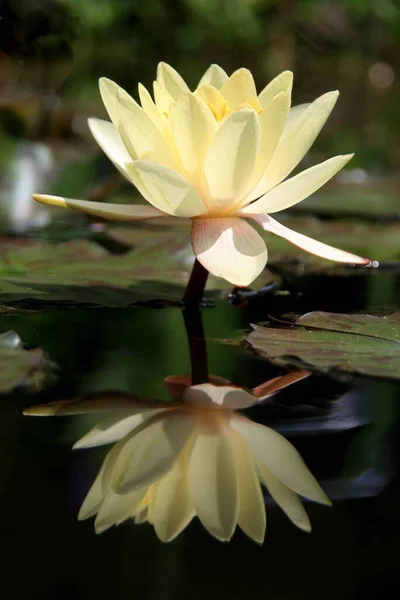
(195, 457)
(219, 156)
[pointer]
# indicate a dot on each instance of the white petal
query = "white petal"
(282, 83)
(171, 80)
(212, 481)
(172, 509)
(148, 454)
(252, 517)
(111, 143)
(239, 88)
(116, 509)
(272, 122)
(307, 243)
(113, 428)
(207, 395)
(115, 212)
(193, 127)
(294, 190)
(152, 111)
(288, 501)
(277, 455)
(229, 248)
(166, 189)
(298, 138)
(176, 385)
(214, 76)
(231, 159)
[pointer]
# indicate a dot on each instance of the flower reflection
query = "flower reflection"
(195, 456)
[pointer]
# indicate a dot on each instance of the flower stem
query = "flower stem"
(197, 282)
(197, 345)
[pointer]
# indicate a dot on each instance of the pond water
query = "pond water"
(345, 428)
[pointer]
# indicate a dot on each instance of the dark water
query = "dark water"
(347, 432)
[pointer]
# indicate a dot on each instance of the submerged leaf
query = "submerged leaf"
(362, 344)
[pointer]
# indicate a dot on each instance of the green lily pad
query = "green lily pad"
(362, 344)
(371, 200)
(19, 367)
(81, 271)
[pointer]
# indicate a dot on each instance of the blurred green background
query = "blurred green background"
(52, 53)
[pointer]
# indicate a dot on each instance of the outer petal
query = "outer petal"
(171, 80)
(95, 497)
(139, 133)
(286, 499)
(297, 139)
(295, 112)
(148, 454)
(164, 100)
(229, 248)
(166, 189)
(171, 507)
(239, 88)
(207, 395)
(308, 244)
(111, 143)
(252, 516)
(151, 110)
(282, 83)
(215, 76)
(294, 190)
(277, 455)
(231, 159)
(272, 122)
(193, 127)
(176, 384)
(212, 481)
(115, 509)
(113, 428)
(111, 94)
(115, 212)
(273, 386)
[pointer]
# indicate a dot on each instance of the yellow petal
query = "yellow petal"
(207, 395)
(164, 100)
(231, 159)
(113, 428)
(279, 457)
(111, 93)
(297, 188)
(214, 100)
(215, 76)
(193, 127)
(308, 244)
(252, 517)
(147, 454)
(138, 131)
(111, 143)
(282, 83)
(171, 507)
(298, 138)
(212, 481)
(272, 123)
(239, 88)
(166, 189)
(115, 212)
(287, 500)
(171, 80)
(93, 501)
(229, 248)
(295, 112)
(115, 509)
(151, 110)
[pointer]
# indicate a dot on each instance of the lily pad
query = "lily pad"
(82, 271)
(20, 367)
(361, 344)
